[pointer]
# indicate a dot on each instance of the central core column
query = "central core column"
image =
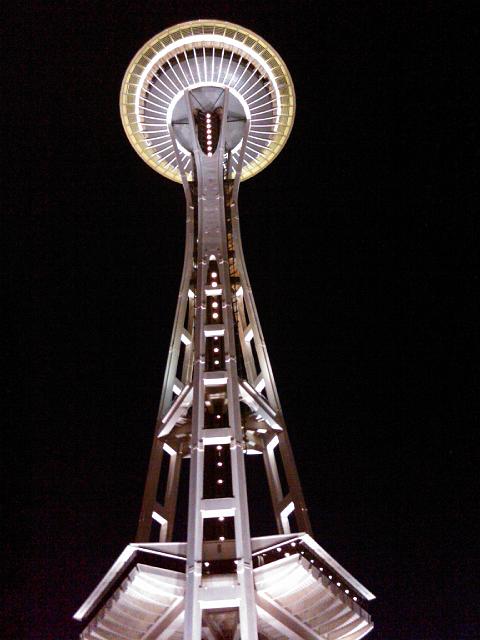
(218, 509)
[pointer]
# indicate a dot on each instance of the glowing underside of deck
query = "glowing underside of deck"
(294, 601)
(297, 590)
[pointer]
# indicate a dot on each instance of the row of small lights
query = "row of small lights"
(216, 349)
(220, 480)
(287, 554)
(214, 285)
(207, 564)
(312, 561)
(209, 135)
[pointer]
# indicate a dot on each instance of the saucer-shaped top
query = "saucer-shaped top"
(207, 56)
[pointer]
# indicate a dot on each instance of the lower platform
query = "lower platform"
(301, 593)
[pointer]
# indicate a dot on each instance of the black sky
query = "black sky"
(361, 241)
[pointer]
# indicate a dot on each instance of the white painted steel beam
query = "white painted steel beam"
(283, 621)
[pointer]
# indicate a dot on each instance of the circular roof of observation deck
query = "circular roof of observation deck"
(205, 53)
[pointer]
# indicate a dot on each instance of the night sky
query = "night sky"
(361, 241)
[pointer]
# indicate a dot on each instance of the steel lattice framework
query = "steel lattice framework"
(209, 104)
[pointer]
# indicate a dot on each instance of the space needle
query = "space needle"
(208, 104)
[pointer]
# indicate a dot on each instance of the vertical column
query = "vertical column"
(212, 245)
(150, 492)
(171, 494)
(248, 622)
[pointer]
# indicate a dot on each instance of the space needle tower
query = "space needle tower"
(208, 104)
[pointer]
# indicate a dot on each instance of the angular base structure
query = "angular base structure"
(300, 592)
